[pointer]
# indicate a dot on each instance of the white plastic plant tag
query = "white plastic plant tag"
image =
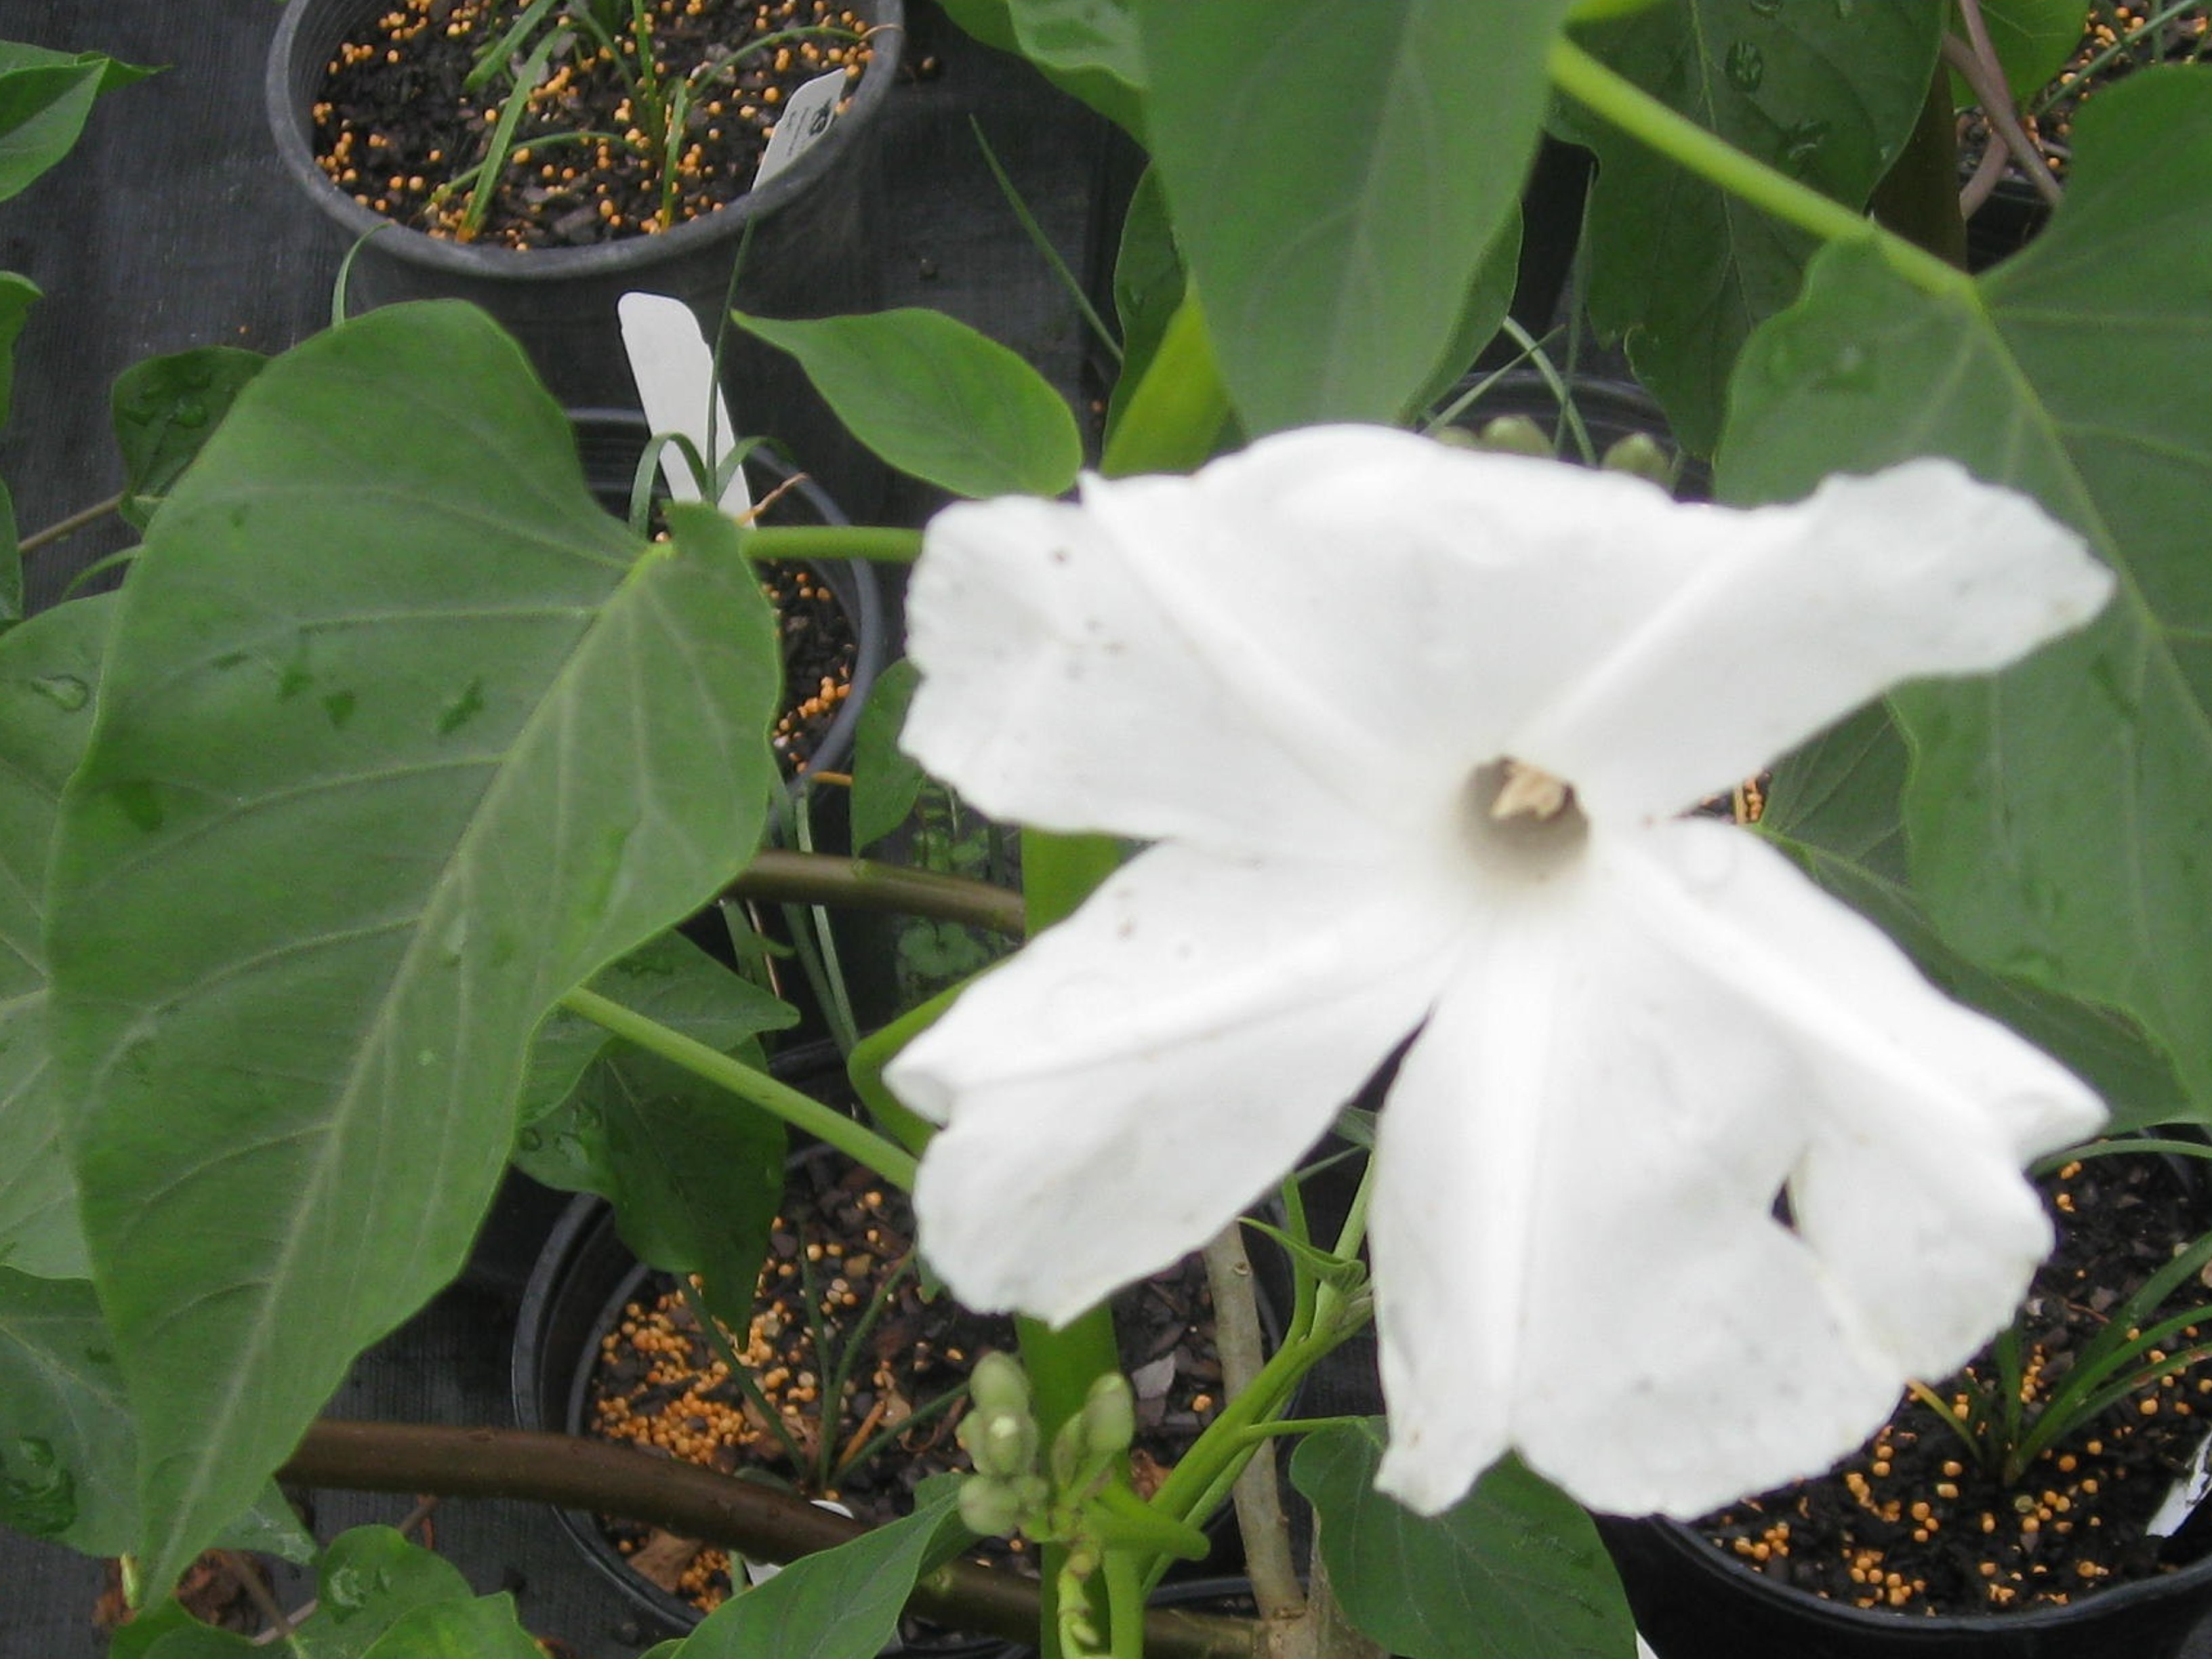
(759, 1572)
(807, 116)
(674, 369)
(2188, 1492)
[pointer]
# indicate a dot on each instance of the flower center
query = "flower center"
(1522, 821)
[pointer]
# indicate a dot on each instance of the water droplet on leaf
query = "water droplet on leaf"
(345, 1592)
(38, 1494)
(1744, 65)
(64, 691)
(1801, 142)
(464, 708)
(1850, 369)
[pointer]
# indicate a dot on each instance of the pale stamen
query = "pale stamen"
(1529, 793)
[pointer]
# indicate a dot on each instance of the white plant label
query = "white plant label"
(674, 369)
(807, 114)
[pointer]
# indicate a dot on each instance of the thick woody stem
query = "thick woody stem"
(574, 1473)
(863, 884)
(1239, 1344)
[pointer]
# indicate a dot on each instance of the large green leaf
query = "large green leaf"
(44, 97)
(1338, 175)
(1837, 804)
(1515, 1570)
(1087, 48)
(369, 1581)
(1148, 286)
(668, 979)
(48, 670)
(842, 1603)
(169, 1633)
(400, 738)
(2033, 39)
(164, 408)
(695, 1174)
(1683, 269)
(17, 296)
(68, 1453)
(937, 399)
(885, 778)
(485, 1628)
(67, 1461)
(11, 562)
(2058, 814)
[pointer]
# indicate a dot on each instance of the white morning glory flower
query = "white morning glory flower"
(1412, 728)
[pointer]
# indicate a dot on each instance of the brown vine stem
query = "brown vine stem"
(863, 884)
(572, 1472)
(1242, 1350)
(1975, 59)
(68, 527)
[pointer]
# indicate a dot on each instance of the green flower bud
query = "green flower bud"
(1514, 435)
(1642, 454)
(989, 1508)
(1109, 1415)
(1001, 1444)
(1068, 1449)
(998, 1385)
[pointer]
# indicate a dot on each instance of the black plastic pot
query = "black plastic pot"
(807, 256)
(1692, 1602)
(585, 1278)
(2007, 222)
(609, 442)
(586, 1275)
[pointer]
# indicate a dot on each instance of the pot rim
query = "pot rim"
(284, 92)
(2194, 1577)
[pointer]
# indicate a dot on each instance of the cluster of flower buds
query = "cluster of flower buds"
(1638, 452)
(1006, 1494)
(1009, 1492)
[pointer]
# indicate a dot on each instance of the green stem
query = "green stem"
(856, 1141)
(863, 1068)
(817, 878)
(68, 527)
(1125, 1606)
(880, 542)
(1218, 1453)
(1636, 112)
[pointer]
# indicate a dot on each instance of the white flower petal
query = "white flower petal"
(1141, 1072)
(1929, 1108)
(1255, 656)
(1802, 613)
(1576, 1249)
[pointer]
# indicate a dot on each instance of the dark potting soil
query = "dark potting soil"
(397, 129)
(1913, 1522)
(2116, 40)
(819, 651)
(842, 1247)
